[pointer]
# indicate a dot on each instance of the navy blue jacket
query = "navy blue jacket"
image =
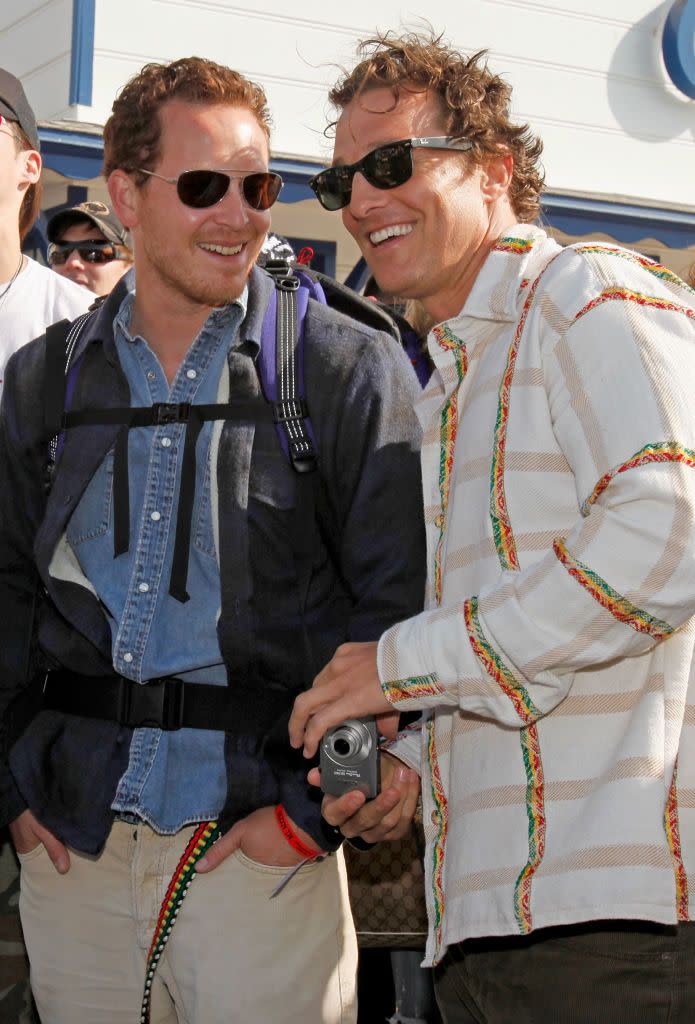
(279, 624)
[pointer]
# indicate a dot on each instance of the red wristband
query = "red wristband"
(291, 836)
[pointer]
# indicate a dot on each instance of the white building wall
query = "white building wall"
(35, 45)
(587, 75)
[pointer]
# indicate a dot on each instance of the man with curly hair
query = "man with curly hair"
(554, 659)
(176, 590)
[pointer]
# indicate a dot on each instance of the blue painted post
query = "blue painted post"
(82, 55)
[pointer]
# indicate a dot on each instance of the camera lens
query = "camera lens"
(349, 743)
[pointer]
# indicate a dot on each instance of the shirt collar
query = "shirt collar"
(254, 302)
(505, 274)
(217, 320)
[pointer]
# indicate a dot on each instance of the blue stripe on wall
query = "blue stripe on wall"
(82, 55)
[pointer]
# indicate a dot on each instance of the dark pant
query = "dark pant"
(617, 972)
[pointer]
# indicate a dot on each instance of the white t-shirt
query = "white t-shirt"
(37, 298)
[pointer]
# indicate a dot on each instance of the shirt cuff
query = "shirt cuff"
(408, 675)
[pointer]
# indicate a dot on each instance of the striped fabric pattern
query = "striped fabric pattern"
(555, 655)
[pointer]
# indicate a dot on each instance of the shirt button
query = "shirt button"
(151, 375)
(143, 587)
(434, 818)
(191, 374)
(439, 521)
(166, 442)
(128, 657)
(155, 516)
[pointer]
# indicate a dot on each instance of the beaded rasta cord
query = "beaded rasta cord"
(207, 833)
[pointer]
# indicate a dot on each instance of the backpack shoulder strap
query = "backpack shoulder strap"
(281, 363)
(59, 383)
(54, 377)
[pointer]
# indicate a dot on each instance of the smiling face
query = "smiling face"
(427, 238)
(196, 257)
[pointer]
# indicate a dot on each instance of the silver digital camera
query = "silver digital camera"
(350, 758)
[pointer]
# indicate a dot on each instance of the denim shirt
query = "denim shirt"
(172, 778)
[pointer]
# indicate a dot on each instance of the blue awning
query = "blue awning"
(627, 223)
(79, 155)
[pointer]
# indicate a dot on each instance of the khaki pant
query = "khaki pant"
(235, 956)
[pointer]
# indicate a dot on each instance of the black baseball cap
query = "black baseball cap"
(15, 106)
(101, 216)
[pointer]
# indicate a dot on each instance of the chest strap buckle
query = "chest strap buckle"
(171, 412)
(157, 704)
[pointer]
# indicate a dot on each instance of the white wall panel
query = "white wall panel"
(35, 46)
(586, 74)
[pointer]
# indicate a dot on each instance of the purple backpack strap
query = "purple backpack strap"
(281, 361)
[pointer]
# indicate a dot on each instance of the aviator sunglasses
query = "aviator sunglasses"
(385, 167)
(201, 189)
(89, 252)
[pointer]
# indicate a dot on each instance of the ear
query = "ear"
(497, 176)
(32, 166)
(124, 196)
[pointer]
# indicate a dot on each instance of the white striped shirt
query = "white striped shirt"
(556, 647)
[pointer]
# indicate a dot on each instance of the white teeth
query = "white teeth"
(224, 250)
(391, 231)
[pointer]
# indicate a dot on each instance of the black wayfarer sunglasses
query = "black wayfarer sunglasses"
(385, 167)
(201, 189)
(89, 252)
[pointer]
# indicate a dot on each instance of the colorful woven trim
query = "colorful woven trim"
(627, 295)
(499, 513)
(620, 607)
(447, 443)
(519, 246)
(495, 667)
(535, 809)
(200, 842)
(662, 451)
(441, 808)
(416, 686)
(651, 266)
(674, 842)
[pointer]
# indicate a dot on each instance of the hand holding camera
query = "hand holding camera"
(387, 816)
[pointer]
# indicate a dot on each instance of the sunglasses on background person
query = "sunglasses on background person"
(89, 252)
(201, 189)
(385, 167)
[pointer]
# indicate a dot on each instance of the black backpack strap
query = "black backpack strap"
(193, 416)
(281, 364)
(54, 377)
(59, 381)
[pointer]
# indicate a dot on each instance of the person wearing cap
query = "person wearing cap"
(89, 245)
(31, 297)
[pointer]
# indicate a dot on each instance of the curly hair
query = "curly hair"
(132, 134)
(475, 102)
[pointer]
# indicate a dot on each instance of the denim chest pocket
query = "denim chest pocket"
(92, 516)
(203, 533)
